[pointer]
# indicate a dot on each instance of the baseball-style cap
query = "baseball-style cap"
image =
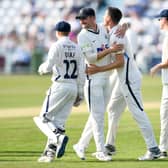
(163, 13)
(62, 26)
(85, 12)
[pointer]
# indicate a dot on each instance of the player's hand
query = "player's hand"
(120, 32)
(41, 69)
(116, 47)
(92, 69)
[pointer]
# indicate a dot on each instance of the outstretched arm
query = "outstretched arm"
(158, 67)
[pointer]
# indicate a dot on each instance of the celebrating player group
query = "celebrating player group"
(101, 70)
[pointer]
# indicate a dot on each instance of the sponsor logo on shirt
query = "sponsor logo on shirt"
(103, 47)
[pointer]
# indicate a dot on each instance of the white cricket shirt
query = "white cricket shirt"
(130, 70)
(65, 59)
(91, 43)
(164, 58)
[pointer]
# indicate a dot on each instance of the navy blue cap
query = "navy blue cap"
(62, 26)
(163, 13)
(85, 12)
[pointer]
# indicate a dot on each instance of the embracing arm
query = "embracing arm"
(120, 32)
(119, 62)
(113, 49)
(91, 55)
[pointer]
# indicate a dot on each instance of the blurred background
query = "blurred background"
(26, 29)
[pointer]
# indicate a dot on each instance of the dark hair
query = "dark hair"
(115, 14)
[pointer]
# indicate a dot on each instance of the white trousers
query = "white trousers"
(164, 119)
(123, 95)
(97, 95)
(58, 103)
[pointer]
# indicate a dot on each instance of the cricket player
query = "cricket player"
(65, 61)
(126, 90)
(93, 40)
(163, 20)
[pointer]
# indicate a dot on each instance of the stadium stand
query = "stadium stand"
(26, 26)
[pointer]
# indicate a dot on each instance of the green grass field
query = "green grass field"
(21, 142)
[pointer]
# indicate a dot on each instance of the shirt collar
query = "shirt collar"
(64, 38)
(92, 31)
